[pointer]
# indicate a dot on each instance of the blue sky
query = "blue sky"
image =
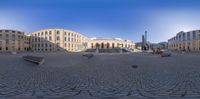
(127, 19)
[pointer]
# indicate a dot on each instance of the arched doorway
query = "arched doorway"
(102, 45)
(108, 45)
(92, 45)
(113, 45)
(97, 45)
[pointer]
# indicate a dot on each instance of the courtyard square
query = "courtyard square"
(111, 75)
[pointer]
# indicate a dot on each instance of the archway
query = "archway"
(92, 45)
(108, 45)
(102, 45)
(113, 45)
(97, 45)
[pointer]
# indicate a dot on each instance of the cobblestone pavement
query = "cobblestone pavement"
(116, 76)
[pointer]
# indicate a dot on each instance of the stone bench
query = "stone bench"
(34, 59)
(13, 53)
(88, 55)
(165, 54)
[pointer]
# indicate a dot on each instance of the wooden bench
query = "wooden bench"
(88, 55)
(34, 59)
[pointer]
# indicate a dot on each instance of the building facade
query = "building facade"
(58, 40)
(185, 41)
(110, 43)
(12, 40)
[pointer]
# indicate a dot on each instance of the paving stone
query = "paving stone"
(69, 75)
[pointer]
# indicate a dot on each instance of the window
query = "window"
(36, 39)
(13, 42)
(7, 36)
(42, 33)
(50, 38)
(68, 39)
(194, 34)
(188, 35)
(58, 32)
(13, 47)
(45, 44)
(57, 38)
(176, 38)
(58, 44)
(46, 33)
(13, 36)
(65, 45)
(49, 32)
(65, 39)
(0, 36)
(6, 41)
(184, 37)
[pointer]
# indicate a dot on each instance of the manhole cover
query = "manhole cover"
(134, 66)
